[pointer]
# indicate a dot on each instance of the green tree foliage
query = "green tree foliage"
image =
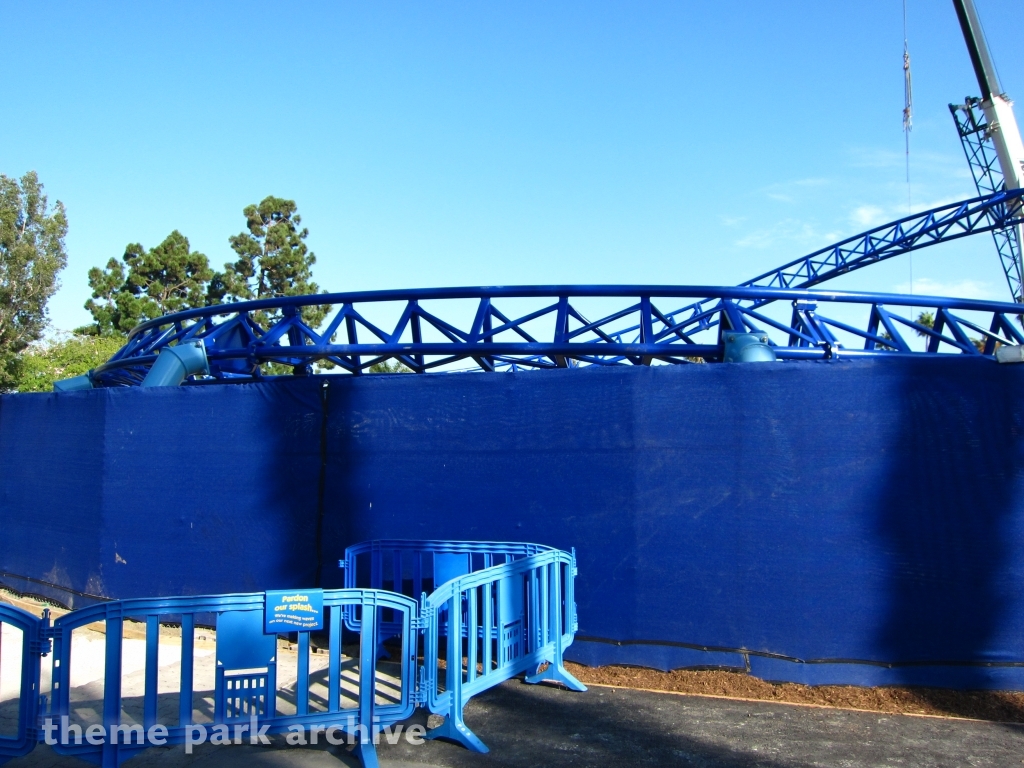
(42, 364)
(31, 256)
(927, 319)
(273, 259)
(389, 366)
(169, 278)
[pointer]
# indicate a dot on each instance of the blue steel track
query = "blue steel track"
(539, 327)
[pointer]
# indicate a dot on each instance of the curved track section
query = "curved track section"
(939, 225)
(988, 213)
(541, 327)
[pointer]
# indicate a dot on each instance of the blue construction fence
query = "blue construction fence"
(494, 610)
(844, 521)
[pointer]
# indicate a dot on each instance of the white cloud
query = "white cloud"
(920, 160)
(787, 191)
(962, 289)
(786, 231)
(873, 157)
(937, 202)
(868, 215)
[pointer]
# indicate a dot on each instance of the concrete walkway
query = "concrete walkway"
(533, 726)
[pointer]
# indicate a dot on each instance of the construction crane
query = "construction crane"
(991, 140)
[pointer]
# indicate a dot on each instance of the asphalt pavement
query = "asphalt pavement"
(527, 726)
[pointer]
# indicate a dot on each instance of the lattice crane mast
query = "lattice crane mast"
(991, 140)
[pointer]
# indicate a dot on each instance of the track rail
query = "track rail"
(549, 328)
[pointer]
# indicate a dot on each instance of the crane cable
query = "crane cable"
(908, 125)
(908, 97)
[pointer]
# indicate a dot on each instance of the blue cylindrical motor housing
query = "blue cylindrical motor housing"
(75, 383)
(174, 364)
(747, 348)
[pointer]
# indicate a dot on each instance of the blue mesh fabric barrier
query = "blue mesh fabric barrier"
(130, 492)
(854, 522)
(51, 491)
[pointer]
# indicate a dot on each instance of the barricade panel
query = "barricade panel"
(12, 657)
(21, 646)
(414, 568)
(243, 662)
(487, 626)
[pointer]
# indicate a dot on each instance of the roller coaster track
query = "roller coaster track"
(423, 340)
(988, 213)
(548, 326)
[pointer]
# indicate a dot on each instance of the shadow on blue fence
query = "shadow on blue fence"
(948, 536)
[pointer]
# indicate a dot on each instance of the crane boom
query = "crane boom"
(998, 108)
(999, 131)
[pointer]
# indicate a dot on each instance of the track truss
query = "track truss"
(538, 327)
(557, 333)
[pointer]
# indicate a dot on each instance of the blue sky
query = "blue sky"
(432, 144)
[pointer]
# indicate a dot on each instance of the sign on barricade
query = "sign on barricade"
(289, 611)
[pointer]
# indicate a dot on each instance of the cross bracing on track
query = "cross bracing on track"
(537, 327)
(434, 330)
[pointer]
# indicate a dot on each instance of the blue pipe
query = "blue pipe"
(174, 364)
(74, 384)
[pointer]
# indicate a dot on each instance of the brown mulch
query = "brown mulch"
(1000, 706)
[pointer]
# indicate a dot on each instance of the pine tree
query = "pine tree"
(148, 284)
(273, 260)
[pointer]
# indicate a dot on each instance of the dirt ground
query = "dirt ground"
(1000, 706)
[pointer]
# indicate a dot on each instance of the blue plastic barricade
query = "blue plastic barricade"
(415, 568)
(498, 622)
(510, 607)
(245, 692)
(504, 609)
